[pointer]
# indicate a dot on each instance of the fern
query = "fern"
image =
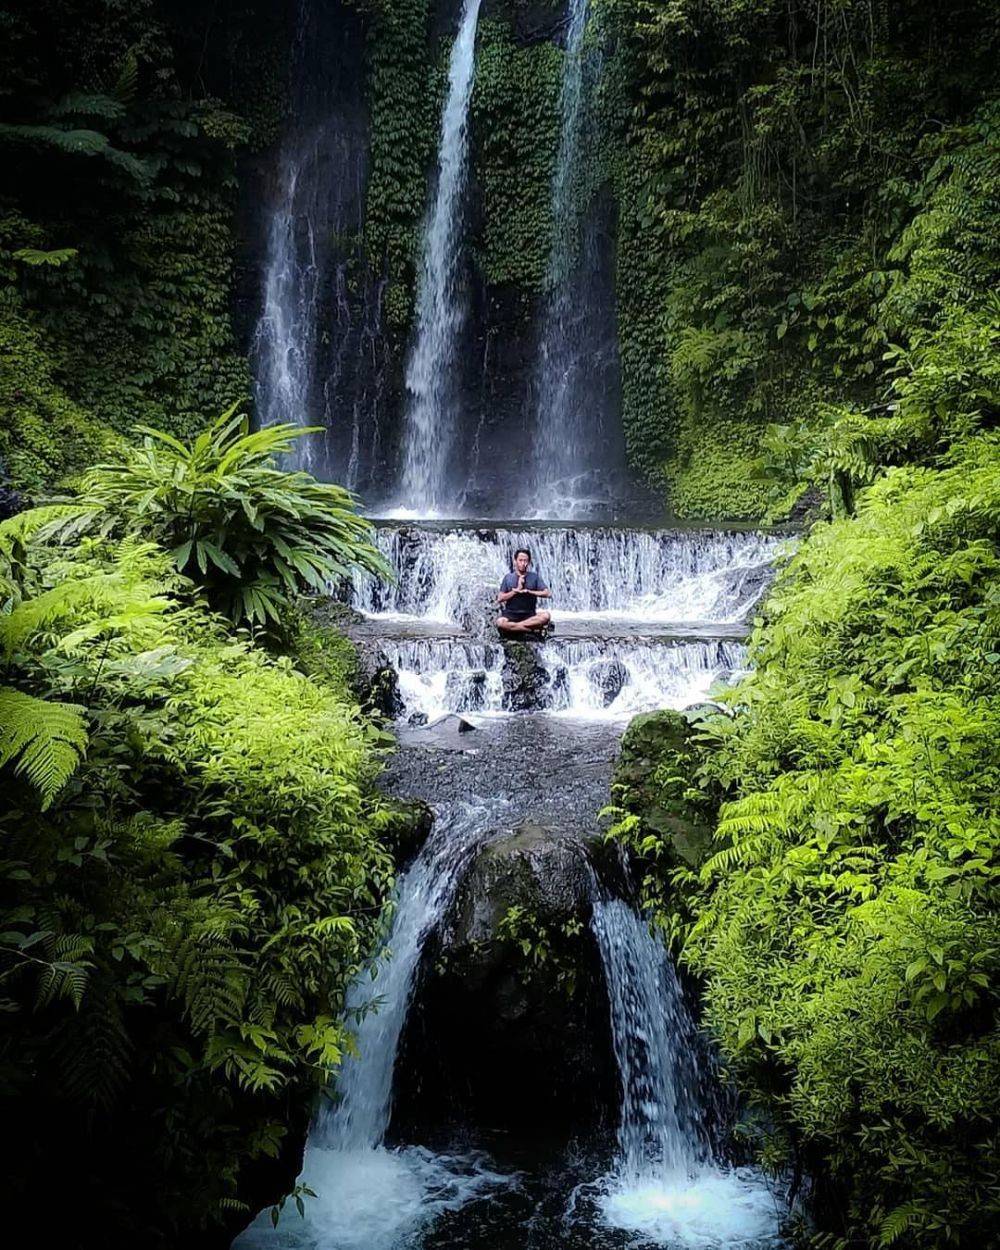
(66, 969)
(900, 1220)
(54, 258)
(44, 740)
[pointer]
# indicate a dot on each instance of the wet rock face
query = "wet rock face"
(525, 682)
(509, 1028)
(655, 765)
(410, 823)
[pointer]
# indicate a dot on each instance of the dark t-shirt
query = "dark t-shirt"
(521, 606)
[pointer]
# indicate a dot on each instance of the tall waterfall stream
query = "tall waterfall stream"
(645, 619)
(430, 419)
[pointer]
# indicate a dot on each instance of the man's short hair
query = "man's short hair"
(523, 551)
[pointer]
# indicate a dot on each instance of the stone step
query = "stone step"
(567, 628)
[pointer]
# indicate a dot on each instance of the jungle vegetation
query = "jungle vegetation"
(810, 251)
(194, 854)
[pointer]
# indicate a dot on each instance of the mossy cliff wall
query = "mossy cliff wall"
(789, 197)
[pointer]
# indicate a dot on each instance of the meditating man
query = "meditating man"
(520, 591)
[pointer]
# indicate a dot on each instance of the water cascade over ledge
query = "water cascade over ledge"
(577, 455)
(444, 572)
(370, 1197)
(510, 742)
(319, 353)
(430, 418)
(665, 1186)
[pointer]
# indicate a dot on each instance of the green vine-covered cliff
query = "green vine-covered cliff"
(799, 201)
(805, 193)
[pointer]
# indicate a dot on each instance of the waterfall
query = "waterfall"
(364, 1084)
(446, 574)
(575, 457)
(665, 1185)
(572, 105)
(284, 347)
(588, 679)
(662, 1122)
(430, 418)
(318, 351)
(370, 1197)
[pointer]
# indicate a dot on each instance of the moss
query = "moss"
(654, 780)
(515, 120)
(44, 435)
(326, 655)
(711, 474)
(403, 91)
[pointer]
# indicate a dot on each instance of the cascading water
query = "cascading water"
(370, 1197)
(319, 355)
(666, 1185)
(577, 455)
(626, 604)
(364, 1085)
(430, 419)
(585, 680)
(664, 576)
(662, 1120)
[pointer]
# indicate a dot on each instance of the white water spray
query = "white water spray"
(369, 1197)
(658, 576)
(665, 1186)
(284, 347)
(587, 679)
(430, 418)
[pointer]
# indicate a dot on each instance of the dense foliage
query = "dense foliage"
(117, 235)
(806, 192)
(403, 97)
(193, 869)
(254, 535)
(515, 121)
(807, 273)
(846, 926)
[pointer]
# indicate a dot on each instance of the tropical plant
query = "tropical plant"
(191, 872)
(251, 534)
(846, 924)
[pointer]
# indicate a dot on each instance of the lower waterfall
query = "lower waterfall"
(665, 1184)
(367, 1196)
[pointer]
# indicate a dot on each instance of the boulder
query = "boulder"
(372, 678)
(655, 768)
(377, 682)
(609, 676)
(526, 684)
(510, 1025)
(409, 824)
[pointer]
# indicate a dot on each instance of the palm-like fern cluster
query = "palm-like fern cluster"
(251, 533)
(192, 862)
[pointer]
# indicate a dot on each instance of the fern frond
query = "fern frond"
(44, 740)
(899, 1220)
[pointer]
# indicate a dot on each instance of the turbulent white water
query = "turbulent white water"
(430, 420)
(582, 679)
(665, 1186)
(370, 1197)
(657, 576)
